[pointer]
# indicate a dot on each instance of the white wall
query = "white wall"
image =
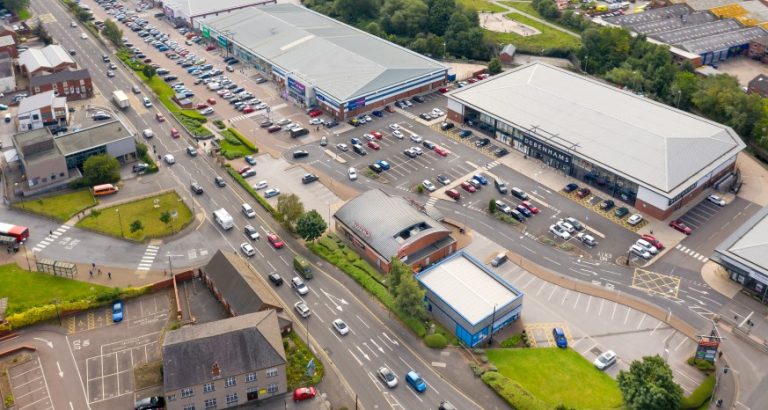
(658, 201)
(455, 106)
(25, 119)
(7, 84)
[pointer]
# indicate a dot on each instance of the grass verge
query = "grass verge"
(60, 207)
(298, 356)
(24, 15)
(112, 222)
(482, 5)
(556, 376)
(235, 145)
(548, 42)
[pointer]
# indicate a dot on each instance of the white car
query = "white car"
(566, 226)
(716, 200)
(169, 159)
(438, 112)
(369, 137)
(417, 150)
(84, 36)
(352, 174)
(340, 326)
(399, 135)
(342, 147)
(394, 127)
(503, 208)
(416, 138)
(301, 288)
(586, 239)
(604, 360)
(559, 232)
(428, 185)
(302, 309)
(207, 111)
(247, 249)
(316, 121)
(148, 133)
(647, 245)
(260, 185)
(387, 376)
(640, 251)
(72, 24)
(147, 103)
(635, 219)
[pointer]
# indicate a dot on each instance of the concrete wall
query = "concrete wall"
(124, 150)
(46, 171)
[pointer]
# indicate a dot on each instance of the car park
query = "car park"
(275, 241)
(340, 326)
(250, 159)
(342, 147)
(583, 192)
(416, 138)
(383, 164)
(534, 210)
(375, 168)
(499, 260)
(605, 360)
(560, 340)
(575, 223)
(586, 239)
(519, 193)
(566, 226)
(397, 134)
(387, 377)
(523, 210)
(607, 205)
(373, 145)
(502, 207)
(441, 151)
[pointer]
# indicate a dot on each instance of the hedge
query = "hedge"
(700, 395)
(260, 199)
(436, 341)
(219, 124)
(243, 140)
(513, 393)
(146, 157)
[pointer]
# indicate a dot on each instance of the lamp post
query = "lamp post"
(170, 266)
(445, 49)
(493, 319)
(120, 221)
(679, 93)
(56, 302)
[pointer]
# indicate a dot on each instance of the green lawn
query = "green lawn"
(548, 39)
(298, 356)
(60, 207)
(232, 147)
(24, 15)
(108, 220)
(558, 376)
(524, 6)
(482, 5)
(27, 289)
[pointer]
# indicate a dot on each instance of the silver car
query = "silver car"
(387, 377)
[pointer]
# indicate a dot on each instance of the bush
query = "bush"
(700, 395)
(513, 393)
(436, 341)
(219, 124)
(243, 140)
(505, 218)
(476, 369)
(512, 341)
(701, 364)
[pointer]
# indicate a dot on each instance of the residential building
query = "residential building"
(48, 59)
(8, 45)
(381, 226)
(43, 109)
(224, 363)
(645, 153)
(469, 299)
(758, 85)
(70, 84)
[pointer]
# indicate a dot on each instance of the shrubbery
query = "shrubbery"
(219, 124)
(701, 364)
(700, 395)
(512, 341)
(513, 393)
(436, 341)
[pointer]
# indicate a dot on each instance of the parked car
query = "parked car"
(621, 212)
(583, 192)
(570, 187)
(716, 200)
(304, 393)
(586, 239)
(605, 360)
(117, 311)
(271, 192)
(534, 210)
(560, 340)
(444, 180)
(638, 250)
(309, 178)
(635, 219)
(653, 241)
(607, 205)
(454, 194)
(559, 232)
(647, 246)
(679, 225)
(428, 185)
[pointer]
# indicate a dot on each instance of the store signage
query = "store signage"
(206, 32)
(355, 104)
(223, 41)
(296, 86)
(360, 228)
(546, 149)
(707, 350)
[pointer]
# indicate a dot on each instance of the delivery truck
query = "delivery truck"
(223, 218)
(121, 100)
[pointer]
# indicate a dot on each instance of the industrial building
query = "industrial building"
(647, 154)
(316, 61)
(469, 299)
(188, 12)
(381, 226)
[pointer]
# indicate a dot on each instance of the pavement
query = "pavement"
(755, 177)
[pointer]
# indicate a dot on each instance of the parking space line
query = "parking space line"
(627, 316)
(589, 302)
(578, 296)
(615, 305)
(565, 297)
(639, 324)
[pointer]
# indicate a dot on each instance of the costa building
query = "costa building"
(381, 226)
(647, 154)
(316, 61)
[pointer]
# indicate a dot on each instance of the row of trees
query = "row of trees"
(309, 225)
(548, 9)
(647, 68)
(15, 6)
(431, 27)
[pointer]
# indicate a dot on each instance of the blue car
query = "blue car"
(560, 340)
(356, 141)
(415, 381)
(193, 69)
(189, 94)
(162, 48)
(481, 179)
(383, 164)
(117, 311)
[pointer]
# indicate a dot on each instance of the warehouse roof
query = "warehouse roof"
(657, 146)
(748, 244)
(300, 41)
(724, 41)
(672, 12)
(659, 26)
(468, 287)
(708, 4)
(91, 137)
(386, 223)
(47, 57)
(199, 7)
(688, 33)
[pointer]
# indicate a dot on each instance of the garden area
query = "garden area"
(299, 355)
(235, 145)
(482, 5)
(59, 207)
(153, 217)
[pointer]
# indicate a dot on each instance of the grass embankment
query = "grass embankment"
(556, 376)
(235, 145)
(550, 38)
(482, 5)
(60, 207)
(109, 220)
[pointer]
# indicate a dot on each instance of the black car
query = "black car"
(331, 124)
(607, 205)
(446, 126)
(168, 78)
(517, 215)
(150, 403)
(410, 153)
(571, 187)
(309, 178)
(418, 99)
(300, 154)
(428, 144)
(377, 113)
(482, 142)
(219, 181)
(140, 167)
(375, 168)
(425, 116)
(265, 124)
(196, 188)
(58, 128)
(275, 278)
(501, 152)
(465, 133)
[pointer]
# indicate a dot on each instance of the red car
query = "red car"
(211, 101)
(210, 47)
(441, 151)
(160, 117)
(189, 35)
(680, 226)
(472, 80)
(244, 169)
(275, 240)
(304, 393)
(453, 194)
(200, 106)
(653, 241)
(530, 207)
(175, 133)
(377, 135)
(315, 113)
(248, 110)
(443, 90)
(389, 108)
(583, 192)
(147, 60)
(468, 187)
(373, 145)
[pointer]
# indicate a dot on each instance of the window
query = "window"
(272, 388)
(232, 398)
(208, 387)
(189, 407)
(210, 404)
(229, 382)
(250, 377)
(186, 393)
(171, 397)
(82, 82)
(272, 372)
(37, 90)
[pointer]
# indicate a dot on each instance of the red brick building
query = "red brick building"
(8, 45)
(49, 59)
(381, 226)
(73, 84)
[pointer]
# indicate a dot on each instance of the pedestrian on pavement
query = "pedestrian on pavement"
(109, 274)
(50, 233)
(93, 265)
(90, 272)
(99, 272)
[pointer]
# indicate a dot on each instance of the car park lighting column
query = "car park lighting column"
(120, 221)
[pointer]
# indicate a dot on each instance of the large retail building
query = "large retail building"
(316, 61)
(649, 155)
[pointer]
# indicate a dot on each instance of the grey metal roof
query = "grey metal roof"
(46, 57)
(759, 84)
(64, 75)
(468, 287)
(724, 41)
(37, 101)
(239, 286)
(670, 23)
(379, 219)
(748, 244)
(659, 147)
(200, 7)
(708, 4)
(755, 10)
(688, 33)
(6, 41)
(671, 12)
(236, 345)
(95, 136)
(340, 60)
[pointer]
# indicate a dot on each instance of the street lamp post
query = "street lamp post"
(493, 319)
(445, 50)
(120, 221)
(679, 93)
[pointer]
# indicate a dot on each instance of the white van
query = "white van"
(248, 211)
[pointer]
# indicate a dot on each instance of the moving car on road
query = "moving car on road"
(299, 285)
(386, 376)
(340, 326)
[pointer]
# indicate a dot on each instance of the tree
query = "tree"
(492, 205)
(438, 14)
(291, 208)
(403, 17)
(310, 225)
(113, 32)
(165, 218)
(16, 6)
(604, 48)
(42, 34)
(397, 271)
(136, 226)
(494, 66)
(648, 385)
(410, 297)
(148, 71)
(101, 169)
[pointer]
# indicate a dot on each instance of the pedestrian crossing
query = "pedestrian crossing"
(492, 165)
(52, 236)
(244, 116)
(690, 252)
(431, 201)
(149, 257)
